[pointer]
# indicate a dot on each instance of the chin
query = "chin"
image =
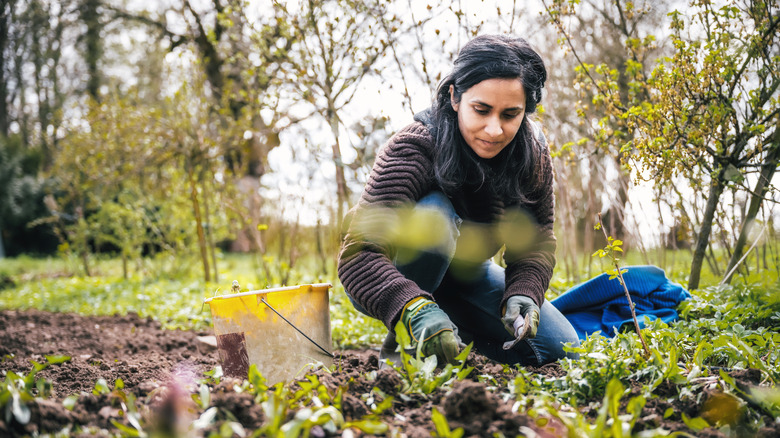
(488, 154)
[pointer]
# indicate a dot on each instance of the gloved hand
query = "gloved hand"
(427, 323)
(520, 306)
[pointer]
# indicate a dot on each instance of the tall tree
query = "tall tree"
(42, 39)
(710, 106)
(243, 52)
(618, 35)
(335, 50)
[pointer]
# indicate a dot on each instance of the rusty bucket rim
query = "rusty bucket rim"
(312, 286)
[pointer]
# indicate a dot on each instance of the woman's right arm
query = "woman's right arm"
(401, 175)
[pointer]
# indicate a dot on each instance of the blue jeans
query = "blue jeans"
(473, 303)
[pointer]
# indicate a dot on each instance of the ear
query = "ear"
(454, 104)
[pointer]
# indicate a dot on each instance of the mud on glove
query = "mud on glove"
(521, 319)
(426, 323)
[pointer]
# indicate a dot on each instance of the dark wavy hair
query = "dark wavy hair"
(512, 173)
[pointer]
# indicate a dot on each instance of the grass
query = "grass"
(175, 296)
(53, 284)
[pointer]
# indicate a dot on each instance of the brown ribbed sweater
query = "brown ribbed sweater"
(402, 174)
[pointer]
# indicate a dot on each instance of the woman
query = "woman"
(471, 175)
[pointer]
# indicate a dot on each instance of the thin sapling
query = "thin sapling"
(613, 247)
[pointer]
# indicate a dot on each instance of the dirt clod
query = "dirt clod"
(388, 381)
(470, 406)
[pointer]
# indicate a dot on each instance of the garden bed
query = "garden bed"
(167, 383)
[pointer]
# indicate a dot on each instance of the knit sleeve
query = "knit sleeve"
(401, 175)
(529, 271)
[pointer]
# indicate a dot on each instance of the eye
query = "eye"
(510, 116)
(481, 111)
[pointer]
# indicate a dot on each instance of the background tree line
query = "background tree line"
(169, 133)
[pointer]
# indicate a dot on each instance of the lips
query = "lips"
(491, 143)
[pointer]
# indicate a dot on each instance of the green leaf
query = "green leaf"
(232, 428)
(132, 418)
(57, 359)
(767, 397)
(429, 364)
(668, 413)
(635, 405)
(205, 396)
(440, 423)
(19, 410)
(696, 424)
(463, 355)
(464, 372)
(598, 356)
(384, 405)
(70, 402)
(402, 337)
(217, 373)
(371, 427)
(127, 429)
(36, 368)
(205, 419)
(101, 387)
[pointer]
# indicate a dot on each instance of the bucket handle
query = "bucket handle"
(296, 328)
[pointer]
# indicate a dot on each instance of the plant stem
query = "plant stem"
(625, 289)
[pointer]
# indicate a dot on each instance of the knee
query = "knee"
(551, 349)
(557, 334)
(436, 215)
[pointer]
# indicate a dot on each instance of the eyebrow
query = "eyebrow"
(479, 102)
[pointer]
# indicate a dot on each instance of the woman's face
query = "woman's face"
(490, 114)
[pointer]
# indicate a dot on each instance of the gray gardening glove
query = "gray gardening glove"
(521, 319)
(427, 323)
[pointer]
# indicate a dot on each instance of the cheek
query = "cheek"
(515, 127)
(467, 122)
(463, 123)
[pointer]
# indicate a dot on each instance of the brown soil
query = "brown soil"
(160, 369)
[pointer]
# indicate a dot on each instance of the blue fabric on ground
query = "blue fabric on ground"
(600, 304)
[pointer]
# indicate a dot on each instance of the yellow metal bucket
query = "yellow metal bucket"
(284, 331)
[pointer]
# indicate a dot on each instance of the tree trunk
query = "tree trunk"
(204, 255)
(593, 209)
(82, 239)
(93, 49)
(85, 263)
(209, 230)
(2, 249)
(569, 228)
(712, 261)
(702, 240)
(320, 250)
(124, 265)
(767, 172)
(341, 181)
(6, 11)
(663, 245)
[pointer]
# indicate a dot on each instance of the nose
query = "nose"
(493, 127)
